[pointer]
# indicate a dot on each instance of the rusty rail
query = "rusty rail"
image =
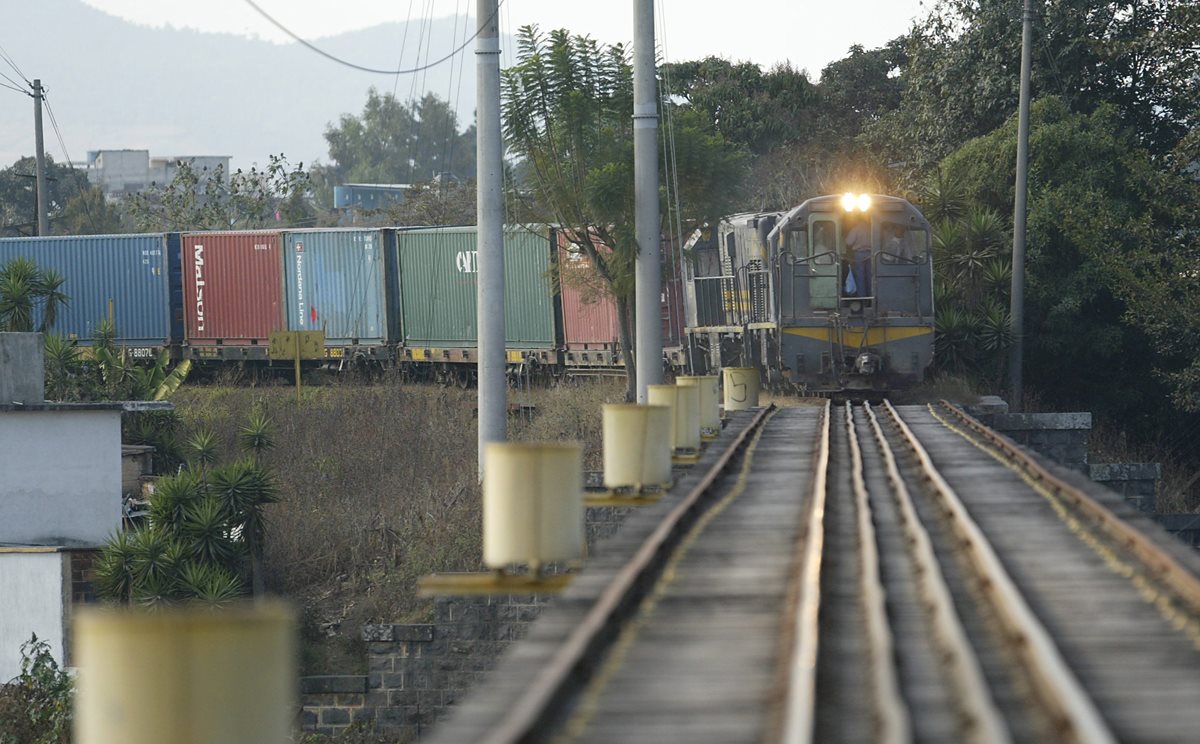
(554, 679)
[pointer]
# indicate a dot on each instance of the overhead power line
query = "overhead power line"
(79, 187)
(363, 68)
(5, 56)
(13, 87)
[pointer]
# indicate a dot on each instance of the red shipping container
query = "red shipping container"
(232, 288)
(589, 310)
(672, 297)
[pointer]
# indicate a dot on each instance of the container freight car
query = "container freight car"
(438, 271)
(128, 278)
(233, 296)
(590, 326)
(337, 281)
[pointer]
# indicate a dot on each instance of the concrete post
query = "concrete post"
(43, 203)
(648, 280)
(1016, 351)
(493, 404)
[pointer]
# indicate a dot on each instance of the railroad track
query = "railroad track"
(862, 573)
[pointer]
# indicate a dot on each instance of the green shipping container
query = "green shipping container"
(439, 279)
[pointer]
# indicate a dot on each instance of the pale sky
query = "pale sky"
(807, 34)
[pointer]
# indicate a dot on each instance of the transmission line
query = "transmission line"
(363, 68)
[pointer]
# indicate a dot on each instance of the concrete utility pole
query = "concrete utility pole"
(1016, 351)
(43, 219)
(492, 392)
(648, 281)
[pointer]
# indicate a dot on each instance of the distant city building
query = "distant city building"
(358, 196)
(121, 172)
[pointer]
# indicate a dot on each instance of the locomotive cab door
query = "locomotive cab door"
(809, 277)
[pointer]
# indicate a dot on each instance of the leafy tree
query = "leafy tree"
(742, 103)
(434, 204)
(29, 297)
(1111, 260)
(275, 196)
(394, 142)
(567, 105)
(962, 77)
(18, 196)
(35, 707)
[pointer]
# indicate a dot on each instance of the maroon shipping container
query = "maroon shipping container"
(672, 297)
(589, 310)
(233, 289)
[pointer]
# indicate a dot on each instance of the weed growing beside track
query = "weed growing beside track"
(378, 487)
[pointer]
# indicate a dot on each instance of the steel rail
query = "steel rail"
(1072, 711)
(799, 701)
(1164, 567)
(893, 722)
(979, 716)
(551, 681)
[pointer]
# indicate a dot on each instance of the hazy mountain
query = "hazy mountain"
(113, 84)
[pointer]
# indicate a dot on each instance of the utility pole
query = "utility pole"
(492, 391)
(43, 221)
(1017, 312)
(648, 280)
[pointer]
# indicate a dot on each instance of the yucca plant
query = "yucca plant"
(173, 496)
(156, 556)
(210, 586)
(955, 340)
(207, 532)
(243, 488)
(115, 574)
(202, 449)
(64, 368)
(257, 435)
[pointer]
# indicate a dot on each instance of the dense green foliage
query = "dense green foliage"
(204, 536)
(29, 296)
(566, 113)
(396, 142)
(35, 706)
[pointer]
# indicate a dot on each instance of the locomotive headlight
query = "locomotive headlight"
(851, 202)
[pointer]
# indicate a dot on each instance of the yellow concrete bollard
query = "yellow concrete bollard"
(637, 445)
(532, 504)
(685, 419)
(710, 409)
(741, 388)
(186, 675)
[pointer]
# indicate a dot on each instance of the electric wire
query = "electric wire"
(362, 68)
(12, 87)
(14, 82)
(7, 58)
(58, 134)
(403, 44)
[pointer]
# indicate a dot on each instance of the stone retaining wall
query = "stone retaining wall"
(1061, 437)
(1137, 482)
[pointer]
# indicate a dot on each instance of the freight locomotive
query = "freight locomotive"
(833, 296)
(387, 296)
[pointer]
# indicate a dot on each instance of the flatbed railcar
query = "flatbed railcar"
(833, 296)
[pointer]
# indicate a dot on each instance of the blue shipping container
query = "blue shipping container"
(128, 275)
(336, 282)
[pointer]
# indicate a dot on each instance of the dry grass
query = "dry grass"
(379, 488)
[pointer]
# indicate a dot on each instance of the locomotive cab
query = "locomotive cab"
(855, 291)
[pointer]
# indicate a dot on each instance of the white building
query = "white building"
(60, 500)
(120, 172)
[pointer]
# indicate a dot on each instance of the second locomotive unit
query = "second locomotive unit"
(835, 295)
